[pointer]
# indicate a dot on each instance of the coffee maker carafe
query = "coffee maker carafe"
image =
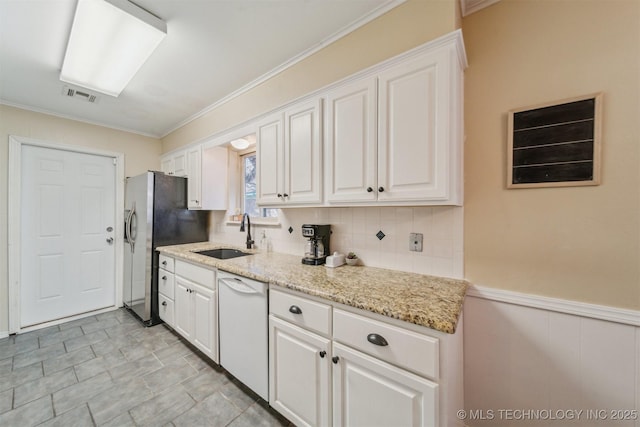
(317, 246)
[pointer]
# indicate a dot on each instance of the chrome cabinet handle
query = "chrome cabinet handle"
(295, 309)
(377, 340)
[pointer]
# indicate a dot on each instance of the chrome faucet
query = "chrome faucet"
(250, 242)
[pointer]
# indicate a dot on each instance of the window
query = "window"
(249, 192)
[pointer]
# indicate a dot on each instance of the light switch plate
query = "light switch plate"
(415, 242)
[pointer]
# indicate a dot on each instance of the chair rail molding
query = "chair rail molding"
(594, 311)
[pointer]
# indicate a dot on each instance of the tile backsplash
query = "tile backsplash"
(354, 229)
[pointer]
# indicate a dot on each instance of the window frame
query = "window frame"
(262, 219)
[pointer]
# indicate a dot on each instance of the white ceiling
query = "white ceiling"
(213, 48)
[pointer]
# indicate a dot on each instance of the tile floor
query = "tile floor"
(109, 370)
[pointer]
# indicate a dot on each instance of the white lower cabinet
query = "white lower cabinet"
(300, 374)
(369, 392)
(196, 307)
(166, 288)
(334, 367)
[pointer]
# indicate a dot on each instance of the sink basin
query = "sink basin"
(223, 253)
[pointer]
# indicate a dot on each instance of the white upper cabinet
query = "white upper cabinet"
(351, 142)
(194, 177)
(289, 156)
(270, 160)
(174, 163)
(212, 181)
(206, 169)
(416, 155)
(396, 137)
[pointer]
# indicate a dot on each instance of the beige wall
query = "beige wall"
(411, 24)
(141, 153)
(579, 243)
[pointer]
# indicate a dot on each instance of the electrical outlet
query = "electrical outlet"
(415, 242)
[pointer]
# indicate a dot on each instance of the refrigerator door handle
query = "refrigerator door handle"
(129, 226)
(126, 224)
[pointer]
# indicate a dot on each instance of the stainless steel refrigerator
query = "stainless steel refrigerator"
(156, 214)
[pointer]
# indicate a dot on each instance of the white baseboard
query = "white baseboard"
(4, 334)
(594, 311)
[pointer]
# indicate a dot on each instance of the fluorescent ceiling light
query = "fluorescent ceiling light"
(109, 42)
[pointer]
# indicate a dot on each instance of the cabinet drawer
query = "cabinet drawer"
(166, 263)
(312, 315)
(166, 283)
(404, 348)
(200, 275)
(165, 309)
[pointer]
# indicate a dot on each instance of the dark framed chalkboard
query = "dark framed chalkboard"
(555, 144)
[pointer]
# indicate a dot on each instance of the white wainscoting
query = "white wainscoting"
(530, 361)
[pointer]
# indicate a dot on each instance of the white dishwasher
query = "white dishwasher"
(244, 330)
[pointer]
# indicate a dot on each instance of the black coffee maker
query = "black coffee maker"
(316, 248)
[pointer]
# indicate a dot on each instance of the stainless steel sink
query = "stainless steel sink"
(223, 253)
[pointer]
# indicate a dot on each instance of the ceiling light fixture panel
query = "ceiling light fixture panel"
(110, 40)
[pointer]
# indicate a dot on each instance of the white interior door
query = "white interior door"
(67, 237)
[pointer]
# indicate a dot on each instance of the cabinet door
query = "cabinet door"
(166, 309)
(299, 377)
(183, 316)
(368, 392)
(351, 142)
(180, 164)
(205, 321)
(166, 165)
(215, 178)
(194, 180)
(302, 151)
(270, 160)
(414, 130)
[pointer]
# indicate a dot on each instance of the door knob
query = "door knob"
(109, 240)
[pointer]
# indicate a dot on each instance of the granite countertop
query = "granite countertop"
(434, 302)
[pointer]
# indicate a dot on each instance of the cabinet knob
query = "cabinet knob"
(335, 359)
(322, 353)
(164, 262)
(195, 201)
(164, 277)
(377, 340)
(279, 196)
(369, 189)
(164, 303)
(295, 309)
(285, 195)
(380, 189)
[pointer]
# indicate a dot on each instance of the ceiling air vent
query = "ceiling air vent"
(78, 94)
